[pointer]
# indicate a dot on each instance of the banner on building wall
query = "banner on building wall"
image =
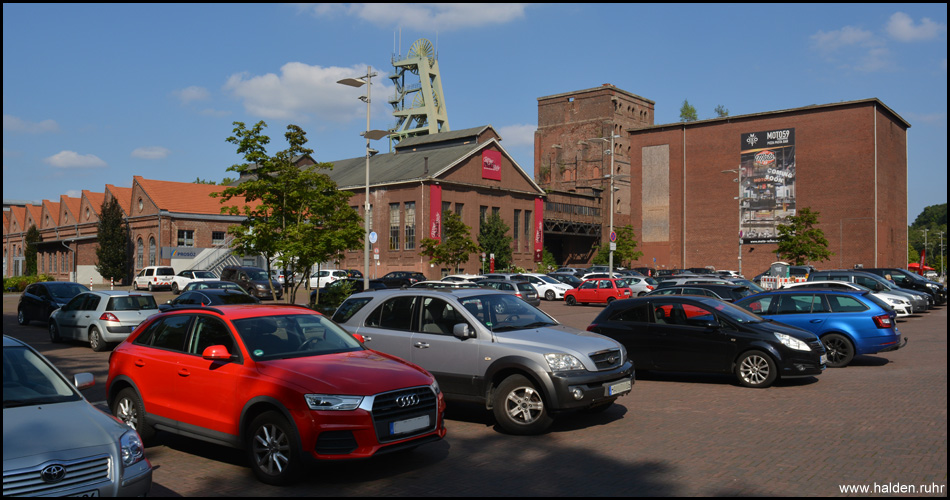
(180, 252)
(435, 212)
(491, 165)
(767, 184)
(538, 229)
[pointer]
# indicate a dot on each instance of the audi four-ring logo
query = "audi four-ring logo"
(53, 473)
(406, 401)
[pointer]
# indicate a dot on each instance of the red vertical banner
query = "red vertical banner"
(435, 212)
(491, 165)
(538, 228)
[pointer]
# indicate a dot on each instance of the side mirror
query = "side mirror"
(83, 380)
(709, 324)
(361, 339)
(216, 353)
(462, 331)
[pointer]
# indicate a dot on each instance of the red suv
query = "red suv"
(282, 382)
(598, 291)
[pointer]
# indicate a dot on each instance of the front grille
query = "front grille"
(335, 443)
(816, 346)
(607, 360)
(84, 473)
(393, 408)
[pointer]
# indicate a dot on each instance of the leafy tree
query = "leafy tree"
(800, 242)
(294, 215)
(113, 255)
(456, 246)
(721, 111)
(626, 252)
(199, 180)
(493, 238)
(547, 264)
(688, 112)
(32, 240)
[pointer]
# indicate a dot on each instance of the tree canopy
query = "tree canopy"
(113, 255)
(456, 246)
(800, 241)
(688, 112)
(493, 238)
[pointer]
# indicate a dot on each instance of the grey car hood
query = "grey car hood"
(59, 430)
(558, 338)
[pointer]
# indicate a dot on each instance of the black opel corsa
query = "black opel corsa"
(702, 334)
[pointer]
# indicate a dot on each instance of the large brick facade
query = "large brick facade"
(851, 167)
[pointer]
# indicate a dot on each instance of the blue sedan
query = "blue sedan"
(848, 323)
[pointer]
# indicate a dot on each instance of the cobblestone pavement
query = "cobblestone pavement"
(880, 423)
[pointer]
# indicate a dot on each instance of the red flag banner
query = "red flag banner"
(538, 229)
(435, 212)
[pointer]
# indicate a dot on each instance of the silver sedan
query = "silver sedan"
(101, 317)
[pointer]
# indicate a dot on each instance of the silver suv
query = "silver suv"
(493, 348)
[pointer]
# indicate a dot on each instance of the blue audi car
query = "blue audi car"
(848, 323)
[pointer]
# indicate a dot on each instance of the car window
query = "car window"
(349, 308)
(231, 298)
(639, 313)
(171, 332)
(794, 303)
(588, 285)
(75, 303)
(208, 332)
(165, 271)
(439, 317)
(845, 303)
(29, 380)
(394, 314)
(65, 290)
(132, 303)
(91, 303)
(205, 275)
(605, 284)
(187, 298)
(760, 305)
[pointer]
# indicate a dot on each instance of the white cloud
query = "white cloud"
(72, 159)
(427, 16)
(845, 37)
(301, 92)
(854, 48)
(14, 124)
(517, 135)
(193, 93)
(902, 28)
(151, 153)
(73, 193)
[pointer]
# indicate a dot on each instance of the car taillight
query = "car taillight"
(107, 316)
(883, 321)
(591, 327)
(649, 287)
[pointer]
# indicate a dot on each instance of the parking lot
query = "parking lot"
(880, 424)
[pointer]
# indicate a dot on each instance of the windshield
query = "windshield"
(752, 286)
(235, 298)
(293, 336)
(205, 275)
(736, 313)
(29, 380)
(549, 280)
(501, 312)
(66, 291)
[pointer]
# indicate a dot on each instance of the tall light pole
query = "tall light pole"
(369, 135)
(611, 244)
(738, 179)
(920, 268)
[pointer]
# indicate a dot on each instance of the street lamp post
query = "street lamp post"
(369, 135)
(738, 180)
(611, 244)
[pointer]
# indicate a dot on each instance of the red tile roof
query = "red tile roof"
(52, 207)
(124, 195)
(68, 203)
(95, 200)
(185, 197)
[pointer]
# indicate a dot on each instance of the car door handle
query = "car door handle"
(139, 363)
(184, 372)
(816, 321)
(421, 345)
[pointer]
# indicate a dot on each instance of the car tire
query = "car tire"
(95, 340)
(756, 369)
(549, 295)
(128, 408)
(570, 300)
(519, 408)
(839, 349)
(273, 449)
(21, 318)
(150, 287)
(135, 285)
(54, 332)
(175, 289)
(641, 294)
(610, 300)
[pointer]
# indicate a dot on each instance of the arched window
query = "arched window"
(139, 250)
(151, 250)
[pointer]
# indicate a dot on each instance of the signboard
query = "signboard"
(180, 252)
(491, 165)
(435, 212)
(767, 180)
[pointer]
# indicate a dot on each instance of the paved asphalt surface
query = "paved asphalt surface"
(880, 423)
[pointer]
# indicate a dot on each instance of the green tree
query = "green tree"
(113, 254)
(294, 216)
(493, 238)
(721, 111)
(800, 241)
(626, 253)
(688, 112)
(456, 246)
(29, 254)
(547, 264)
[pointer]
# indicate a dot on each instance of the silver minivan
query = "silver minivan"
(491, 347)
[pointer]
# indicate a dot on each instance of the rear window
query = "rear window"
(132, 303)
(165, 271)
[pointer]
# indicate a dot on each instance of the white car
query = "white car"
(639, 285)
(548, 287)
(899, 304)
(324, 277)
(153, 277)
(181, 280)
(463, 277)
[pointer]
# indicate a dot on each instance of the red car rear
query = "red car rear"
(281, 382)
(598, 291)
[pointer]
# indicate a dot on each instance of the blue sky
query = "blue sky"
(94, 94)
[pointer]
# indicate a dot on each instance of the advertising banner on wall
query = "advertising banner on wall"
(491, 165)
(767, 184)
(538, 229)
(435, 212)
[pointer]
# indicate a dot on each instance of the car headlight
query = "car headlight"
(563, 362)
(332, 402)
(435, 387)
(260, 287)
(131, 449)
(931, 285)
(792, 342)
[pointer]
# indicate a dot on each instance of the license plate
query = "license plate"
(619, 388)
(93, 493)
(412, 424)
(824, 359)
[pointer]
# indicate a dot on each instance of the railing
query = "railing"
(214, 258)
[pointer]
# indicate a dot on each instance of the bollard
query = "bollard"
(90, 283)
(112, 284)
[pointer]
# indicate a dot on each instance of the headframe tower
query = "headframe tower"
(425, 112)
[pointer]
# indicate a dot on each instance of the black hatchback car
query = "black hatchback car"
(703, 334)
(728, 293)
(209, 297)
(39, 300)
